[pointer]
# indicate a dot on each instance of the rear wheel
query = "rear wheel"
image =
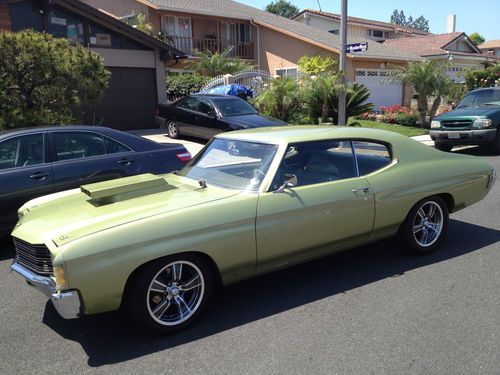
(169, 294)
(425, 226)
(172, 129)
(443, 147)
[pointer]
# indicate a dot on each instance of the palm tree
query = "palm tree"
(281, 98)
(217, 63)
(319, 93)
(428, 78)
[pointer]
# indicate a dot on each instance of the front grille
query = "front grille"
(37, 258)
(456, 123)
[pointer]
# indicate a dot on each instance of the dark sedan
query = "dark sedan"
(39, 161)
(204, 116)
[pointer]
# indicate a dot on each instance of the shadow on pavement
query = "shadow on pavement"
(110, 338)
(6, 248)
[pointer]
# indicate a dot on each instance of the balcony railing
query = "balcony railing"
(242, 50)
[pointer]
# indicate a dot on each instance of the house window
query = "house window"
(360, 73)
(378, 34)
(287, 72)
(26, 15)
(334, 31)
(101, 37)
(63, 25)
(372, 73)
(179, 32)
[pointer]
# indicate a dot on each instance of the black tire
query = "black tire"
(161, 311)
(172, 129)
(442, 147)
(414, 239)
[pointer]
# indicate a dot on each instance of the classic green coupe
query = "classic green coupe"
(250, 202)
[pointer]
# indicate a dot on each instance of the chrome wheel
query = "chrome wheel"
(172, 129)
(175, 293)
(428, 224)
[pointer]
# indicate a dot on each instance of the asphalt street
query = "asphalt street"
(370, 310)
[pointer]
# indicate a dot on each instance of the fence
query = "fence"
(253, 79)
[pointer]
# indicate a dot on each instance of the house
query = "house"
(454, 48)
(136, 60)
(272, 43)
(356, 27)
(491, 47)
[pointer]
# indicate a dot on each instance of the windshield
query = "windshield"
(481, 97)
(234, 107)
(231, 164)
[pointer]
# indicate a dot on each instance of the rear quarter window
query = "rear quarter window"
(371, 156)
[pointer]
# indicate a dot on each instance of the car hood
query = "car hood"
(254, 121)
(66, 216)
(483, 111)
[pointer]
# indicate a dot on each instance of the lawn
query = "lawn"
(405, 130)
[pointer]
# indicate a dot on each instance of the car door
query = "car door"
(80, 158)
(186, 112)
(206, 119)
(331, 207)
(25, 173)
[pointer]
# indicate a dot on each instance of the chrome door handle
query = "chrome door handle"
(364, 189)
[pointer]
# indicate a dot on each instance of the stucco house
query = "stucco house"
(271, 43)
(136, 60)
(356, 27)
(491, 47)
(455, 48)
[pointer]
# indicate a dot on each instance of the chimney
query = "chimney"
(452, 21)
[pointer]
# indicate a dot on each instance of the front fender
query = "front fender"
(99, 264)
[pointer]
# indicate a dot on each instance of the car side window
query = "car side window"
(206, 107)
(114, 147)
(77, 145)
(190, 103)
(22, 151)
(317, 162)
(371, 156)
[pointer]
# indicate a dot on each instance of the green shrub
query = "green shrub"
(488, 77)
(180, 85)
(406, 119)
(317, 64)
(45, 80)
(281, 99)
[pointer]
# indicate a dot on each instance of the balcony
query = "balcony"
(241, 50)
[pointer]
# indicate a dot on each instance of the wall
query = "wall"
(278, 50)
(118, 8)
(4, 17)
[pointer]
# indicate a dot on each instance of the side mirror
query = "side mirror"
(290, 181)
(212, 114)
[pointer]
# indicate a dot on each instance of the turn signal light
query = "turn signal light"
(60, 276)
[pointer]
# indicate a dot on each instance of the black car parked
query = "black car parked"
(39, 161)
(205, 115)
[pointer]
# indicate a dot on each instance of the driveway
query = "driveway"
(370, 310)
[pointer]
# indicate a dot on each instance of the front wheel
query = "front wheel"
(443, 147)
(172, 129)
(425, 226)
(169, 294)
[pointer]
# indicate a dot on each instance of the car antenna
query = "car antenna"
(203, 184)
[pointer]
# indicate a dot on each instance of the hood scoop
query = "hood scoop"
(123, 188)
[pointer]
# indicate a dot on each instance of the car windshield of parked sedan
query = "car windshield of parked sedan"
(482, 97)
(231, 164)
(234, 107)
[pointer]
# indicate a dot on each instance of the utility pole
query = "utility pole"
(343, 65)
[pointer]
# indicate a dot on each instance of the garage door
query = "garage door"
(382, 93)
(130, 100)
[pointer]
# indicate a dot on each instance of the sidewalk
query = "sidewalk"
(425, 139)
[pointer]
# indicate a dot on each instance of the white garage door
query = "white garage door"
(382, 92)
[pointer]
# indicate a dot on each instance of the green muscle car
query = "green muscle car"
(250, 202)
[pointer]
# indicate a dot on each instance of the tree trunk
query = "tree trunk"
(423, 108)
(434, 108)
(324, 111)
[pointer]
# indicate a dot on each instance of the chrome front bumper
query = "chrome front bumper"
(66, 303)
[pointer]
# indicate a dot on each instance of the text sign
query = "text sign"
(356, 47)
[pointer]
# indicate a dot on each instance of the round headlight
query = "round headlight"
(435, 124)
